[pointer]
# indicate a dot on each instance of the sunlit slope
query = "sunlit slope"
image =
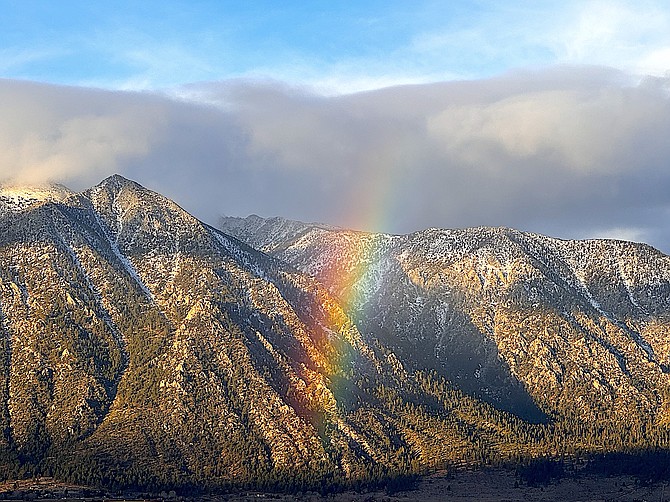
(141, 347)
(579, 327)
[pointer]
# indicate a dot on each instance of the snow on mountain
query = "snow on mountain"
(518, 319)
(142, 347)
(130, 327)
(18, 197)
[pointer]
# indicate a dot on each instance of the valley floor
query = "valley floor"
(497, 485)
(483, 486)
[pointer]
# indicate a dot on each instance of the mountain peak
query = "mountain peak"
(258, 232)
(165, 349)
(116, 182)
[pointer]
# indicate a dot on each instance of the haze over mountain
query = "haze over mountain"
(144, 348)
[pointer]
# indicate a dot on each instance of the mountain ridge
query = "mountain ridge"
(16, 197)
(141, 347)
(243, 225)
(482, 274)
(144, 348)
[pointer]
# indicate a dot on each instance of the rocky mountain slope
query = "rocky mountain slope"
(576, 328)
(142, 347)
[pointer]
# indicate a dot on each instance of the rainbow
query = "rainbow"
(349, 272)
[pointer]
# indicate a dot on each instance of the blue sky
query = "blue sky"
(545, 116)
(333, 46)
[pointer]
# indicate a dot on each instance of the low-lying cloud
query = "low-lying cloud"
(571, 152)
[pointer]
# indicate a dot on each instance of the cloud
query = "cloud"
(60, 133)
(12, 58)
(629, 35)
(568, 151)
(587, 132)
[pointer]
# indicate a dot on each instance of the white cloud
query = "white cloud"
(16, 58)
(87, 144)
(633, 36)
(656, 62)
(622, 34)
(59, 133)
(584, 131)
(566, 151)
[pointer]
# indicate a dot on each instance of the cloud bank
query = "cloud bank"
(573, 152)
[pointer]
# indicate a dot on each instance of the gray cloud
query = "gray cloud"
(571, 152)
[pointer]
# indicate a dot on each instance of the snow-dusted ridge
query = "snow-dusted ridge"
(138, 339)
(481, 304)
(18, 197)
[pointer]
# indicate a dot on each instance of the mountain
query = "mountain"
(267, 233)
(141, 347)
(576, 328)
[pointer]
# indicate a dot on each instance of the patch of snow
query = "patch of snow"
(240, 255)
(127, 265)
(107, 318)
(627, 284)
(15, 198)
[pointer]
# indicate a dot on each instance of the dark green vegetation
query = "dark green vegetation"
(142, 349)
